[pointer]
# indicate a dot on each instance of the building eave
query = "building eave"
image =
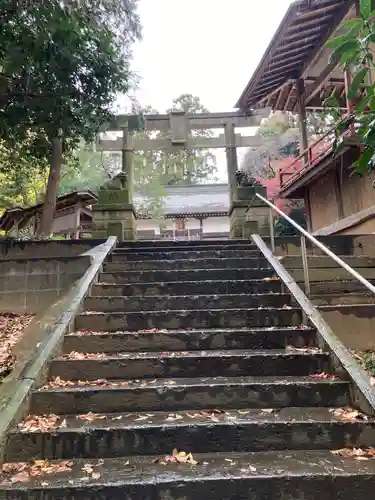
(300, 36)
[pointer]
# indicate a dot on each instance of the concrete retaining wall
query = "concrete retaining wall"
(19, 249)
(31, 285)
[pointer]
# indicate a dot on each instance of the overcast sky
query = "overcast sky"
(208, 48)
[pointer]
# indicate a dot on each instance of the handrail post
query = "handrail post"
(272, 231)
(306, 276)
(305, 264)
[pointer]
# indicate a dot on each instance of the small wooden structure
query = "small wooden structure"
(295, 75)
(72, 217)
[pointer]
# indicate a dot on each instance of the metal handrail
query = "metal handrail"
(320, 245)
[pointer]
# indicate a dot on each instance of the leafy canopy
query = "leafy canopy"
(353, 50)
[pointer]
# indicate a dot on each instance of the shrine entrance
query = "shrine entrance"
(114, 214)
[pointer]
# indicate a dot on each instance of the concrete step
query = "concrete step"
(215, 363)
(121, 256)
(112, 435)
(334, 299)
(211, 263)
(103, 396)
(316, 262)
(340, 287)
(331, 274)
(207, 287)
(164, 303)
(292, 475)
(165, 275)
(215, 318)
(138, 245)
(182, 340)
(185, 248)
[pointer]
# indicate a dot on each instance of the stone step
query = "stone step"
(215, 363)
(340, 287)
(215, 318)
(316, 262)
(181, 340)
(164, 303)
(121, 256)
(271, 475)
(185, 248)
(247, 430)
(181, 275)
(104, 396)
(207, 287)
(139, 245)
(334, 299)
(331, 274)
(181, 264)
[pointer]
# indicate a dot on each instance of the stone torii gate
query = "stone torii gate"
(114, 214)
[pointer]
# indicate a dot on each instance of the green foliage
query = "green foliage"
(62, 65)
(284, 228)
(354, 52)
(188, 166)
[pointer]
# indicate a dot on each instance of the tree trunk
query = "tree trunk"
(49, 205)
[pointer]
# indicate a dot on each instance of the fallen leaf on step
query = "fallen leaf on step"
(179, 457)
(74, 355)
(44, 483)
(271, 278)
(63, 424)
(141, 418)
(87, 468)
(39, 423)
(286, 306)
(268, 411)
(243, 412)
(305, 350)
(173, 416)
(356, 453)
(95, 475)
(348, 414)
(127, 462)
(324, 376)
(21, 477)
(90, 417)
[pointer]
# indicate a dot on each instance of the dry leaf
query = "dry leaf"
(324, 376)
(95, 475)
(87, 468)
(348, 414)
(11, 330)
(356, 453)
(268, 411)
(21, 477)
(90, 417)
(243, 412)
(39, 423)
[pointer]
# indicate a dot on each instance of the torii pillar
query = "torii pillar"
(114, 214)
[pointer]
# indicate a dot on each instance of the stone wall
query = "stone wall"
(20, 249)
(31, 285)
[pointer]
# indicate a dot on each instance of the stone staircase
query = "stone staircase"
(190, 375)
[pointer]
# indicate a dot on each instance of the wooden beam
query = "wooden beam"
(315, 87)
(287, 102)
(192, 143)
(302, 118)
(283, 96)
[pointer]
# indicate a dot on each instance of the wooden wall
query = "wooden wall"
(323, 206)
(337, 195)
